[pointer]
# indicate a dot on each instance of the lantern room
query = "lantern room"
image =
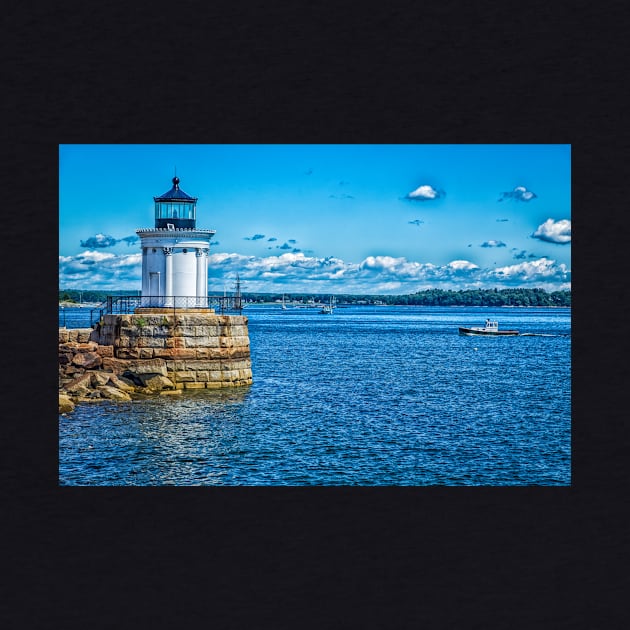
(175, 208)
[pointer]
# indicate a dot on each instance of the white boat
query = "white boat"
(490, 328)
(327, 309)
(284, 306)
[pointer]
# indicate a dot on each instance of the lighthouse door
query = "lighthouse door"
(154, 288)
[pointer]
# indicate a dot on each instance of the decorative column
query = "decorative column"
(206, 251)
(168, 280)
(200, 276)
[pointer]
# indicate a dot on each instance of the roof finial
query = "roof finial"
(176, 180)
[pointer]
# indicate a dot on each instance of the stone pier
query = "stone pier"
(154, 350)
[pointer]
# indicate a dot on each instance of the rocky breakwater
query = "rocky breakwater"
(152, 353)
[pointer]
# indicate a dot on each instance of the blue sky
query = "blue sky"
(389, 219)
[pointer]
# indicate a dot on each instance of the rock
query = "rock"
(87, 360)
(65, 404)
(131, 378)
(83, 334)
(89, 346)
(121, 383)
(113, 393)
(65, 358)
(69, 346)
(171, 392)
(118, 366)
(99, 378)
(105, 351)
(80, 385)
(72, 370)
(156, 382)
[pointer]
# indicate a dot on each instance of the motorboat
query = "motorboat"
(490, 328)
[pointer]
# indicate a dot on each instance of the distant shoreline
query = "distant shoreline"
(91, 305)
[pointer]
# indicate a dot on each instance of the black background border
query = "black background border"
(318, 557)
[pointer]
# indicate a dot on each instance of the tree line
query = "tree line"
(434, 297)
(429, 297)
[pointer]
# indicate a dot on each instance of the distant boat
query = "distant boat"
(490, 328)
(327, 309)
(284, 306)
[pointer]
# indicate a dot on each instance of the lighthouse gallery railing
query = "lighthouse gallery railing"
(127, 304)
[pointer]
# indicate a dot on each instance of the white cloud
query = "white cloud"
(461, 265)
(542, 272)
(297, 272)
(554, 231)
(424, 193)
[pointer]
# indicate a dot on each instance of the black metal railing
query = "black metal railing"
(127, 304)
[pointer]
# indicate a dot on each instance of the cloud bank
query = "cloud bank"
(100, 270)
(554, 231)
(295, 272)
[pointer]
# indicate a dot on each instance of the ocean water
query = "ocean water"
(368, 396)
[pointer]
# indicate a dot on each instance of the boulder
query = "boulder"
(65, 404)
(120, 383)
(118, 366)
(65, 358)
(156, 382)
(87, 360)
(72, 370)
(171, 392)
(79, 386)
(132, 379)
(113, 393)
(69, 346)
(99, 378)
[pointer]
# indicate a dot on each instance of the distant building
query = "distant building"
(175, 253)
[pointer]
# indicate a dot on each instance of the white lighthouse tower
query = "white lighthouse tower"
(175, 253)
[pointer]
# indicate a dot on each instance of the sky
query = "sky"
(354, 219)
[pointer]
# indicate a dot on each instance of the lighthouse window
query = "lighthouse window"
(185, 251)
(153, 250)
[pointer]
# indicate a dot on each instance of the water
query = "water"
(366, 396)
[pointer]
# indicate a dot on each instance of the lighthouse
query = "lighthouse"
(175, 253)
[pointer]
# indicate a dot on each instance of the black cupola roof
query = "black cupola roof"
(175, 193)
